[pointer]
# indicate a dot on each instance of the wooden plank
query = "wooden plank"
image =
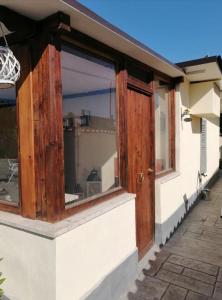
(139, 85)
(48, 132)
(140, 162)
(122, 124)
(38, 46)
(26, 134)
(8, 207)
(55, 193)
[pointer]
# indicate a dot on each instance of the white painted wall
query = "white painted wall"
(74, 263)
(172, 190)
(86, 255)
(205, 99)
(28, 265)
(96, 150)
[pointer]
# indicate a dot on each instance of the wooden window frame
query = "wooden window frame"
(74, 44)
(40, 130)
(24, 104)
(171, 124)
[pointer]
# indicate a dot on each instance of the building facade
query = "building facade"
(104, 147)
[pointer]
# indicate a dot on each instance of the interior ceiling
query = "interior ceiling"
(81, 21)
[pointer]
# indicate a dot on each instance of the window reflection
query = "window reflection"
(162, 126)
(90, 152)
(9, 166)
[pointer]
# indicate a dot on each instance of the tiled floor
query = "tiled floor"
(189, 266)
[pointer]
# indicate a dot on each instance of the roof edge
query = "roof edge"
(201, 61)
(89, 13)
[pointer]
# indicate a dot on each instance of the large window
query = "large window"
(164, 127)
(89, 123)
(9, 167)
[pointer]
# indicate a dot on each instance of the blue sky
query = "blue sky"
(177, 29)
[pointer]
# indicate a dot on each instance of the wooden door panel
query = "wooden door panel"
(139, 108)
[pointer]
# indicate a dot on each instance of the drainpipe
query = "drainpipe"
(204, 192)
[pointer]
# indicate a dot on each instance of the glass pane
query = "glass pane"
(162, 127)
(89, 122)
(9, 181)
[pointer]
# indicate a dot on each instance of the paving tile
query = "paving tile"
(188, 264)
(218, 290)
(156, 264)
(212, 237)
(186, 282)
(192, 235)
(212, 229)
(195, 296)
(195, 249)
(195, 228)
(137, 296)
(175, 293)
(211, 220)
(199, 276)
(150, 289)
(172, 267)
(193, 264)
(219, 277)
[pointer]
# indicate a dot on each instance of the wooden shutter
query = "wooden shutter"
(203, 145)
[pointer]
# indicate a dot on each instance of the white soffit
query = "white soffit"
(107, 34)
(204, 72)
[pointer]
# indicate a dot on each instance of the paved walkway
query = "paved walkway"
(189, 266)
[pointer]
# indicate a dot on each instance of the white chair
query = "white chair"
(13, 168)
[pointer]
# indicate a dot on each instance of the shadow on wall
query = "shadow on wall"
(215, 121)
(6, 298)
(165, 230)
(186, 202)
(220, 151)
(195, 125)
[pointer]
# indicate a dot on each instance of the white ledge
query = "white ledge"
(167, 177)
(51, 231)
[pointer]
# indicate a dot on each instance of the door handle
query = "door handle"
(140, 177)
(149, 171)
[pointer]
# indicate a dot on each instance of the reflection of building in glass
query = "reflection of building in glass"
(8, 147)
(89, 125)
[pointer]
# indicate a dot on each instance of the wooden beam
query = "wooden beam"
(24, 28)
(121, 104)
(178, 80)
(47, 95)
(26, 134)
(55, 22)
(15, 21)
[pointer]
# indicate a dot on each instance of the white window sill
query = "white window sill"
(51, 231)
(167, 177)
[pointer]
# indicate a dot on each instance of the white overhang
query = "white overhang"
(204, 69)
(204, 96)
(91, 24)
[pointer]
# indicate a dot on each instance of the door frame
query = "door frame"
(147, 89)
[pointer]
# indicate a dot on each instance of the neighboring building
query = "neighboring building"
(104, 147)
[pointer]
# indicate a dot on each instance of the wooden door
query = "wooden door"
(141, 164)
